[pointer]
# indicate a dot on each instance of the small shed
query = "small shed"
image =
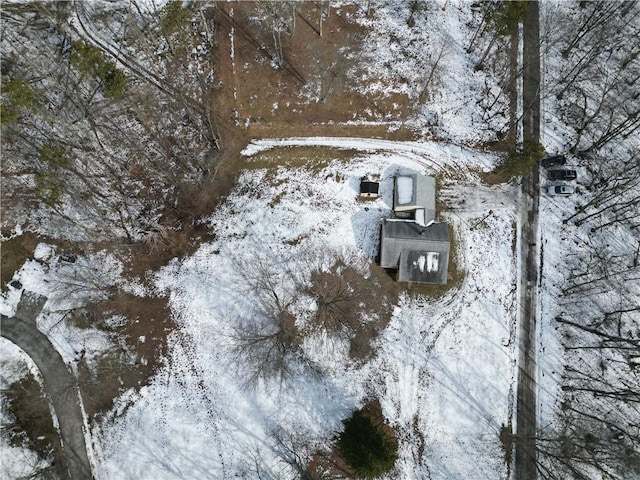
(414, 197)
(420, 253)
(369, 189)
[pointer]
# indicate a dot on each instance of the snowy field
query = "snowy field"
(444, 371)
(445, 368)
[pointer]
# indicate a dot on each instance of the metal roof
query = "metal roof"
(403, 242)
(424, 266)
(422, 195)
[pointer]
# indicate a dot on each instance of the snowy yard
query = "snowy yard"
(444, 371)
(147, 169)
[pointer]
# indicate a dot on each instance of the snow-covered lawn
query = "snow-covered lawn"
(444, 371)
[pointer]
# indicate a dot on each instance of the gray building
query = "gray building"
(414, 197)
(420, 253)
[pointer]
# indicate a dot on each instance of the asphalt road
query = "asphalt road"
(526, 409)
(531, 74)
(526, 418)
(59, 382)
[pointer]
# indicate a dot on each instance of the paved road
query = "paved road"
(526, 418)
(59, 382)
(531, 74)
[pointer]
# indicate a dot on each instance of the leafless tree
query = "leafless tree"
(597, 85)
(87, 159)
(286, 300)
(266, 340)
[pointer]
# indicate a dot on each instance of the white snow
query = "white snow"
(434, 156)
(405, 189)
(444, 369)
(432, 261)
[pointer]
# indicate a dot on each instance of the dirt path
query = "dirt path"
(59, 382)
(526, 418)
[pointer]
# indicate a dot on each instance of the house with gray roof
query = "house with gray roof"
(414, 197)
(420, 253)
(413, 243)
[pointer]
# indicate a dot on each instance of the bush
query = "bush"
(366, 447)
(48, 189)
(16, 93)
(53, 155)
(174, 18)
(91, 61)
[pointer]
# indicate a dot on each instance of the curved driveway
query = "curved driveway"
(59, 382)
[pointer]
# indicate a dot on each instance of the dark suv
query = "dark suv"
(553, 160)
(562, 174)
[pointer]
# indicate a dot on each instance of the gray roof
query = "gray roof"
(424, 266)
(423, 195)
(369, 187)
(404, 243)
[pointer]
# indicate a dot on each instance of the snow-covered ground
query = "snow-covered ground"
(15, 462)
(69, 286)
(445, 368)
(429, 52)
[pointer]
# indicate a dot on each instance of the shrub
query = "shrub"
(16, 93)
(48, 189)
(366, 447)
(53, 155)
(174, 17)
(91, 61)
(517, 163)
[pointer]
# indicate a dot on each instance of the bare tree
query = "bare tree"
(593, 44)
(266, 339)
(286, 300)
(89, 150)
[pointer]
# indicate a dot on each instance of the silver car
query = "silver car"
(560, 190)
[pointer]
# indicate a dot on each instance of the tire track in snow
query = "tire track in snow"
(433, 155)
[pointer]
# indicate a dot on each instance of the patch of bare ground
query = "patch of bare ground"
(301, 84)
(144, 333)
(27, 423)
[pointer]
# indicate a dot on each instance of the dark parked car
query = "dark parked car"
(562, 174)
(553, 160)
(68, 258)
